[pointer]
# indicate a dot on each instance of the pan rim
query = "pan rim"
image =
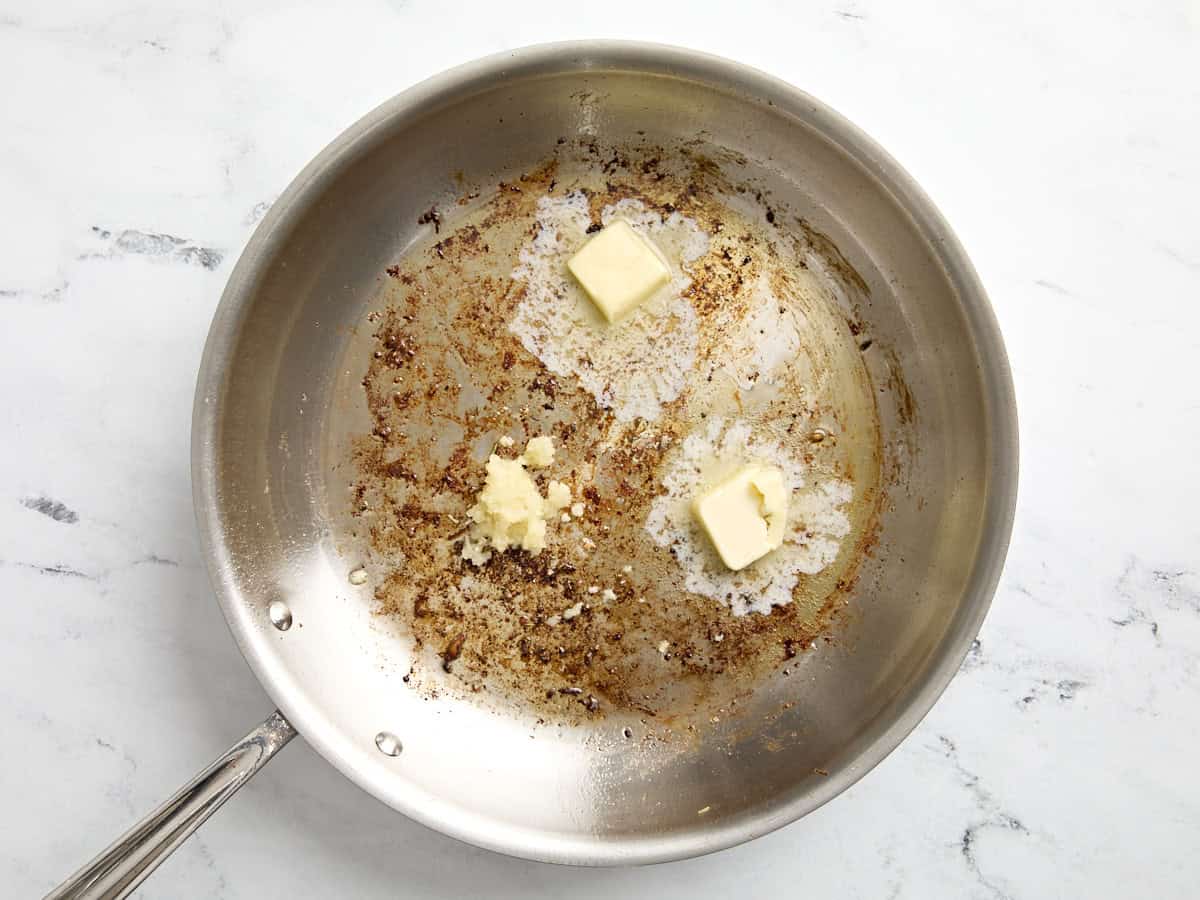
(892, 725)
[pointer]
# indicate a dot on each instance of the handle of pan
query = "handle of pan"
(119, 869)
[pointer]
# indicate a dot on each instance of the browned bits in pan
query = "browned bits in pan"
(445, 378)
(431, 215)
(452, 651)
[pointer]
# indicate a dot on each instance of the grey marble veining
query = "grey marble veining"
(139, 145)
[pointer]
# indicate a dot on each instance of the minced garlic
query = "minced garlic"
(510, 512)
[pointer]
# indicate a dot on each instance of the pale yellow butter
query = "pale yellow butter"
(509, 511)
(745, 514)
(619, 269)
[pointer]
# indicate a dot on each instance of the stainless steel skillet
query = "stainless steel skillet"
(264, 483)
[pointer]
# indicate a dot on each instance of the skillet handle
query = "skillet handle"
(119, 869)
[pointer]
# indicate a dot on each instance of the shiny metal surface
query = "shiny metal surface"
(264, 488)
(123, 865)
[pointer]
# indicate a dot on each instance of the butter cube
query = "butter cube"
(618, 269)
(745, 514)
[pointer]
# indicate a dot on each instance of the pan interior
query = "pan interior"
(322, 452)
(628, 624)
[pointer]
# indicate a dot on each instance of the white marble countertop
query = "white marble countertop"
(140, 142)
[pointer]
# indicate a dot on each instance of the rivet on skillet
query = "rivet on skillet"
(280, 615)
(388, 744)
